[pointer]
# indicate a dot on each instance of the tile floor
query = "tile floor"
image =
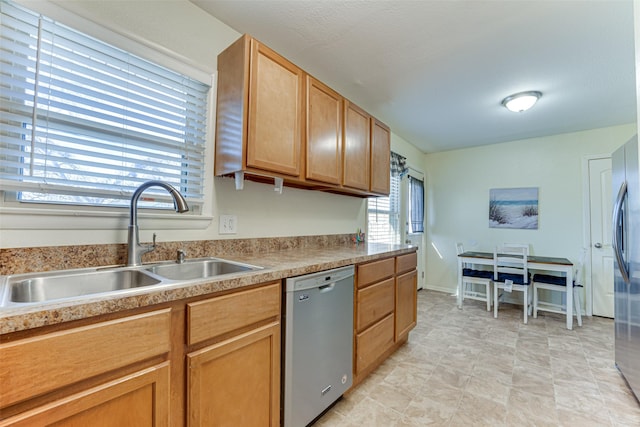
(465, 368)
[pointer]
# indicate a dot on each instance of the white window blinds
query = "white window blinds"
(383, 215)
(86, 122)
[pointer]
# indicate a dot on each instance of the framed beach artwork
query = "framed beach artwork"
(513, 208)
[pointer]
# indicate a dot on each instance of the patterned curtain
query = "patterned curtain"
(398, 165)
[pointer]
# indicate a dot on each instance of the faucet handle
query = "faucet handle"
(180, 256)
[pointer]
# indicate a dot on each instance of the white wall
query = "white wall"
(458, 184)
(183, 31)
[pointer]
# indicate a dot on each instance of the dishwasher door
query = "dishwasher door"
(318, 357)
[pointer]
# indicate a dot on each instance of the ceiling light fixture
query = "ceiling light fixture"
(522, 101)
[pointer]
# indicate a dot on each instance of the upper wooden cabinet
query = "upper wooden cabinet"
(357, 146)
(324, 133)
(275, 120)
(260, 111)
(380, 157)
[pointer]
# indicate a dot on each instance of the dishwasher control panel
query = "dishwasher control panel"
(319, 279)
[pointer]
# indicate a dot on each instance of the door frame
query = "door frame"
(404, 217)
(586, 231)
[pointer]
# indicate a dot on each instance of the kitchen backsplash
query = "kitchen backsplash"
(48, 258)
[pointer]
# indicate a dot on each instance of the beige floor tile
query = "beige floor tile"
(465, 368)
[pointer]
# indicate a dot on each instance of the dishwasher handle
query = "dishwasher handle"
(327, 288)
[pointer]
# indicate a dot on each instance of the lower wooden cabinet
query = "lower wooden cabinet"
(132, 370)
(385, 310)
(120, 350)
(236, 382)
(140, 399)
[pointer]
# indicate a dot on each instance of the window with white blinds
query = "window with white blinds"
(383, 215)
(84, 122)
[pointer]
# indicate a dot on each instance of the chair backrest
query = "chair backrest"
(459, 250)
(511, 259)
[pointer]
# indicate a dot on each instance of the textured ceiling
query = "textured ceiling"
(436, 71)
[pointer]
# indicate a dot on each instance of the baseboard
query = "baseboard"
(444, 289)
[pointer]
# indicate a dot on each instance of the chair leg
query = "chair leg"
(535, 302)
(526, 304)
(488, 294)
(495, 300)
(576, 305)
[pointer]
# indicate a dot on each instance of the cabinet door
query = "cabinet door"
(324, 133)
(380, 157)
(357, 142)
(236, 382)
(140, 399)
(406, 303)
(275, 112)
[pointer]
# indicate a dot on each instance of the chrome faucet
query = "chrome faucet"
(135, 249)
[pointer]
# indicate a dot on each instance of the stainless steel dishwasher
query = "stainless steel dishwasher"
(318, 354)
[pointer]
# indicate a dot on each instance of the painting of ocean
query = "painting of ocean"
(513, 208)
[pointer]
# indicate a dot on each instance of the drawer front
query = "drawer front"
(375, 271)
(216, 316)
(373, 342)
(373, 303)
(406, 262)
(44, 363)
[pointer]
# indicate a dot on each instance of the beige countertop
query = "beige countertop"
(277, 265)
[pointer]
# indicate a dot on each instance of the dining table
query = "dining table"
(534, 262)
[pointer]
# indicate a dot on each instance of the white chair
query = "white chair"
(556, 283)
(472, 279)
(510, 273)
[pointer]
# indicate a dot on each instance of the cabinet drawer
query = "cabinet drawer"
(406, 262)
(41, 364)
(374, 302)
(216, 316)
(375, 271)
(373, 342)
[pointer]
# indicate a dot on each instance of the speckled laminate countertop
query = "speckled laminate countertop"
(277, 265)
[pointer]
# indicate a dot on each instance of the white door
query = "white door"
(600, 207)
(412, 237)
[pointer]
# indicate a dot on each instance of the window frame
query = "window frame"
(16, 215)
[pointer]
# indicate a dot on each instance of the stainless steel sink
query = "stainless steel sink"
(53, 286)
(199, 268)
(58, 285)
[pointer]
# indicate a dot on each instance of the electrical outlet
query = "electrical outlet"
(228, 224)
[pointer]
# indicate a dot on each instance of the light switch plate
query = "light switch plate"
(228, 224)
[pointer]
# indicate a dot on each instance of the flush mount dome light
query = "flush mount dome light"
(522, 101)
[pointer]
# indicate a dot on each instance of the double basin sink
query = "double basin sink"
(58, 285)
